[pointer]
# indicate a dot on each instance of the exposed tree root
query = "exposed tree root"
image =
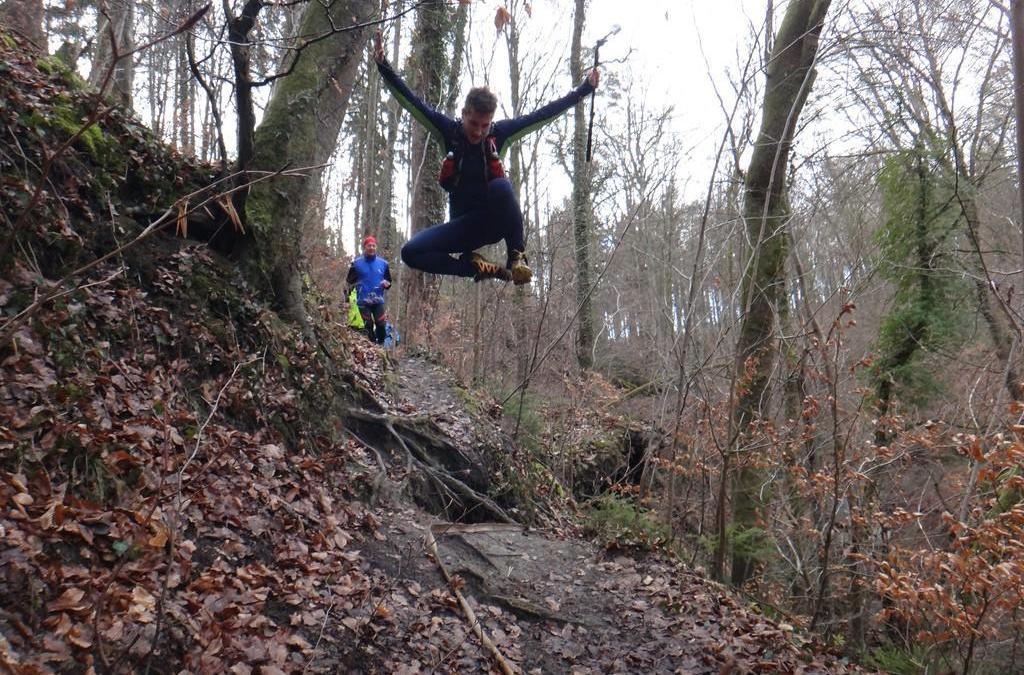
(420, 442)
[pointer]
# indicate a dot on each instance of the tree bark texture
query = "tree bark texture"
(117, 28)
(766, 212)
(427, 72)
(300, 130)
(582, 208)
(1017, 33)
(25, 17)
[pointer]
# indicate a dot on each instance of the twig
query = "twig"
(318, 638)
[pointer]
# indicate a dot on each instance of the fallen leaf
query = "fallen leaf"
(70, 600)
(23, 499)
(159, 538)
(142, 605)
(300, 642)
(76, 637)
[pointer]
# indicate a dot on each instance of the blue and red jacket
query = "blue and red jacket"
(470, 193)
(367, 275)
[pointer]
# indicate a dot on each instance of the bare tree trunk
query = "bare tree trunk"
(427, 72)
(25, 17)
(119, 31)
(184, 92)
(300, 130)
(388, 240)
(1003, 329)
(1017, 33)
(519, 309)
(766, 212)
(582, 208)
(458, 45)
(371, 206)
(238, 38)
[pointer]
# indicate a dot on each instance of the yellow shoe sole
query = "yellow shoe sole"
(521, 274)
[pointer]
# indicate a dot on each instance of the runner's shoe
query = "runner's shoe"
(485, 269)
(521, 272)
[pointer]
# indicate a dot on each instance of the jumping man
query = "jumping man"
(481, 201)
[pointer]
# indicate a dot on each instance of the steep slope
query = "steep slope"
(187, 483)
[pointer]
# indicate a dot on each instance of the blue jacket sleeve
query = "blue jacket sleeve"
(433, 121)
(514, 129)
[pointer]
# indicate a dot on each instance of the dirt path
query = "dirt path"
(564, 606)
(550, 604)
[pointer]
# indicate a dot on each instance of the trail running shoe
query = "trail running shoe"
(521, 272)
(485, 269)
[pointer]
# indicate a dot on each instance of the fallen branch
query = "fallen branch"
(474, 622)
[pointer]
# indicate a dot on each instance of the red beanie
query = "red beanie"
(369, 239)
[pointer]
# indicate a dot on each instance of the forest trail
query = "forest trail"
(553, 605)
(549, 601)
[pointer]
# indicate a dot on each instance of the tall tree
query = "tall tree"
(582, 208)
(917, 246)
(300, 131)
(428, 73)
(790, 74)
(115, 36)
(519, 313)
(389, 239)
(239, 27)
(1017, 33)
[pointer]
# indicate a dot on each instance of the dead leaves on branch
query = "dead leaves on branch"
(971, 589)
(502, 18)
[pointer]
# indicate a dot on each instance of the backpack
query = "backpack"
(451, 166)
(355, 318)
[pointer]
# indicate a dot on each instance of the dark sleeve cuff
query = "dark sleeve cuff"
(585, 88)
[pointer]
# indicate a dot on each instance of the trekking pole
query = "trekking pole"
(593, 100)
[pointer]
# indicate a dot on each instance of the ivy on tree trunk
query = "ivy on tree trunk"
(581, 206)
(300, 131)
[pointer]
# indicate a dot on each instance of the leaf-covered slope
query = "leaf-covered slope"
(77, 175)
